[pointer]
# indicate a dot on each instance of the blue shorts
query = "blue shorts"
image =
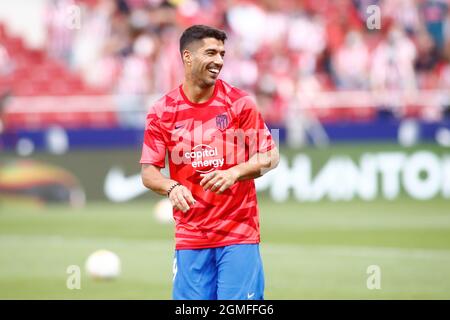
(232, 272)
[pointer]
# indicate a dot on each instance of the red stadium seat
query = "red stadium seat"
(34, 56)
(35, 73)
(24, 89)
(2, 31)
(13, 45)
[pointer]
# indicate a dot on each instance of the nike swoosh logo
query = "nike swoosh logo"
(249, 296)
(179, 126)
(119, 188)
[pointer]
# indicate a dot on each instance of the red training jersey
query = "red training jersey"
(202, 137)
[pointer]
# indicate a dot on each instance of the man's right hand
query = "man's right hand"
(181, 197)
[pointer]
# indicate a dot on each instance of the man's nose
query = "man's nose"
(218, 60)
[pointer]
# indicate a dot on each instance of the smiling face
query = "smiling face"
(203, 61)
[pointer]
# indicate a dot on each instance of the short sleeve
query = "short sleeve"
(154, 146)
(259, 138)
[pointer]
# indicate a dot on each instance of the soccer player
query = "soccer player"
(217, 144)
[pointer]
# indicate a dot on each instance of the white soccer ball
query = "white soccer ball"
(164, 211)
(103, 264)
(443, 137)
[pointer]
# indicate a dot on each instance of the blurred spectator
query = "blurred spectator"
(95, 37)
(404, 13)
(59, 33)
(351, 63)
(393, 63)
(434, 13)
(306, 34)
(168, 67)
(5, 62)
(134, 82)
(278, 51)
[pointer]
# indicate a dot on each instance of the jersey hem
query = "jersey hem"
(152, 163)
(215, 245)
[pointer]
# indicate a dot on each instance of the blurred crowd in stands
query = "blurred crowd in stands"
(275, 49)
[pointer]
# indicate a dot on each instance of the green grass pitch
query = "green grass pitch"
(310, 251)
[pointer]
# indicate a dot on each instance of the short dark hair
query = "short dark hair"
(199, 32)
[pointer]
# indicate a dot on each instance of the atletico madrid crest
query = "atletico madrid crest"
(222, 121)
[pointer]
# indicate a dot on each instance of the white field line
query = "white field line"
(67, 240)
(358, 251)
(438, 224)
(266, 248)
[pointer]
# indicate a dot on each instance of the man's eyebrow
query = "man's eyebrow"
(214, 50)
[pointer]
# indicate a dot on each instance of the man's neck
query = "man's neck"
(197, 94)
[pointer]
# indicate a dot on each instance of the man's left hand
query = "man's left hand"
(220, 180)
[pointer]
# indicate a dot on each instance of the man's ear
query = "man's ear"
(187, 56)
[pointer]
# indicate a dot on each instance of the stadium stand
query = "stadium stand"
(311, 59)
